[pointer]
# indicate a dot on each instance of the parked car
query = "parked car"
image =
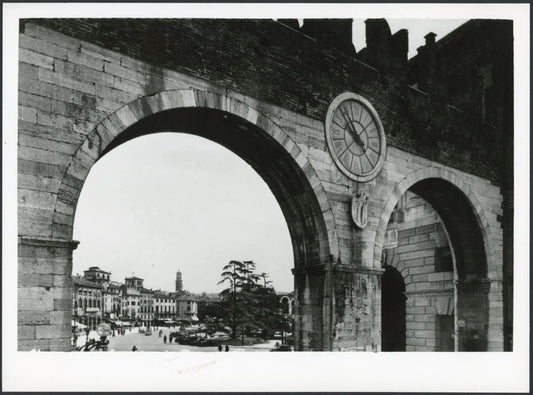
(206, 343)
(283, 347)
(148, 332)
(220, 335)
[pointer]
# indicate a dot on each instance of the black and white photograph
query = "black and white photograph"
(190, 192)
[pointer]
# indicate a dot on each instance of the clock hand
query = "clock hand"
(352, 132)
(357, 138)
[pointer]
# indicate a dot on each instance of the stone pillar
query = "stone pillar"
(312, 308)
(357, 308)
(472, 314)
(496, 330)
(44, 293)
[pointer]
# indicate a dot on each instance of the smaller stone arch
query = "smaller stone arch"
(433, 173)
(469, 234)
(289, 301)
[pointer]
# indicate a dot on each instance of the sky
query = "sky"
(417, 29)
(171, 201)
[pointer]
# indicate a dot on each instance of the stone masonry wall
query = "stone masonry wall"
(68, 86)
(44, 295)
(429, 292)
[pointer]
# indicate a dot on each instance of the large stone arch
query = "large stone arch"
(302, 197)
(467, 227)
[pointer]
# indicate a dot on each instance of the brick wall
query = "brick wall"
(268, 61)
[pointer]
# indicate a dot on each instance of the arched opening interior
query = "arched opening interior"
(271, 161)
(392, 311)
(434, 241)
(274, 164)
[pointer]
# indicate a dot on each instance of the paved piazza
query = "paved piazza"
(155, 343)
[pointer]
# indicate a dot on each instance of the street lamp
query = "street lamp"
(87, 330)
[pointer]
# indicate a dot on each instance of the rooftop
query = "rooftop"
(96, 269)
(81, 282)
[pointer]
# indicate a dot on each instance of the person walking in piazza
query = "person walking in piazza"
(220, 347)
(165, 339)
(134, 348)
(227, 348)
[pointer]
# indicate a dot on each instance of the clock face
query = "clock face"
(355, 137)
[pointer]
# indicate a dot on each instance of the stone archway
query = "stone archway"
(467, 229)
(287, 304)
(257, 139)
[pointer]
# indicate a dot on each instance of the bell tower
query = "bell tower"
(179, 282)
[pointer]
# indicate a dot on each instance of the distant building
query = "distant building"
(97, 275)
(146, 309)
(87, 302)
(111, 292)
(165, 305)
(97, 298)
(134, 282)
(179, 282)
(187, 308)
(131, 297)
(112, 300)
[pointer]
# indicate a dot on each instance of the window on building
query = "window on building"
(443, 259)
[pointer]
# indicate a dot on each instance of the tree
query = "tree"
(239, 275)
(208, 311)
(249, 304)
(265, 281)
